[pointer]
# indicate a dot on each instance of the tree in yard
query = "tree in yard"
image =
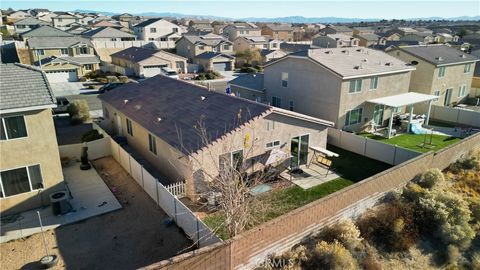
(463, 32)
(79, 111)
(249, 56)
(230, 177)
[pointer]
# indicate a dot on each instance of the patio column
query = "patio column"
(410, 117)
(390, 123)
(428, 112)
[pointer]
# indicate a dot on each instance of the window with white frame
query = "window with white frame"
(272, 144)
(226, 47)
(40, 52)
(13, 127)
(153, 30)
(201, 47)
(462, 91)
(284, 79)
(355, 86)
(175, 30)
(270, 125)
(441, 72)
(20, 180)
(64, 51)
(152, 144)
(277, 102)
(88, 66)
(129, 127)
(353, 117)
(467, 68)
(82, 50)
(436, 93)
(232, 160)
(374, 83)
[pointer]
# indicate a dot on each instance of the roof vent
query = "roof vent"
(359, 50)
(388, 64)
(463, 56)
(202, 98)
(439, 58)
(365, 60)
(125, 101)
(329, 52)
(159, 119)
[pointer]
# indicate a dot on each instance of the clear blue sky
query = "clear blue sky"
(387, 9)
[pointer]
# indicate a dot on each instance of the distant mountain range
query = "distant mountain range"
(289, 19)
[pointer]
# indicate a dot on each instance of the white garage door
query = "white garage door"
(62, 76)
(150, 71)
(221, 66)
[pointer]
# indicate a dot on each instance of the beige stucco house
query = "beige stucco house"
(337, 85)
(145, 62)
(256, 42)
(64, 59)
(238, 130)
(335, 41)
(210, 51)
(30, 166)
(157, 29)
(241, 29)
(440, 70)
(282, 32)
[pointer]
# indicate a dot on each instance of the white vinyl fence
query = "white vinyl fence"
(456, 116)
(107, 67)
(96, 149)
(387, 153)
(135, 43)
(183, 217)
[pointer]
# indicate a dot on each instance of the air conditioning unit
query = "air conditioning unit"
(60, 202)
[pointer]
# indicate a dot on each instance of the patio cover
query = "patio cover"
(403, 99)
(277, 155)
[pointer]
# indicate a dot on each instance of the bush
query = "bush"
(102, 80)
(332, 256)
(450, 215)
(209, 75)
(453, 254)
(82, 79)
(91, 135)
(94, 74)
(346, 232)
(248, 70)
(430, 178)
(112, 79)
(470, 163)
(123, 79)
(79, 111)
(91, 87)
(475, 261)
(413, 192)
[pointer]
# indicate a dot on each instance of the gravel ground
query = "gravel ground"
(129, 238)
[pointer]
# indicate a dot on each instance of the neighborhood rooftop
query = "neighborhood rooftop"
(107, 32)
(250, 81)
(148, 22)
(46, 31)
(352, 62)
(439, 54)
(23, 87)
(56, 42)
(157, 103)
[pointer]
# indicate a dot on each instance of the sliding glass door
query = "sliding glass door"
(299, 150)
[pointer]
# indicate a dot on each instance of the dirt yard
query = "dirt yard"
(135, 236)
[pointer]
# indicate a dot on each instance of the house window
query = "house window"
(374, 83)
(241, 32)
(277, 102)
(274, 45)
(441, 72)
(353, 117)
(163, 39)
(290, 105)
(40, 52)
(284, 79)
(270, 125)
(88, 66)
(175, 30)
(201, 48)
(226, 47)
(232, 160)
(355, 86)
(82, 50)
(467, 68)
(21, 26)
(129, 127)
(64, 51)
(462, 91)
(436, 93)
(153, 30)
(247, 32)
(258, 99)
(20, 180)
(60, 20)
(151, 39)
(152, 144)
(272, 144)
(106, 113)
(13, 127)
(265, 46)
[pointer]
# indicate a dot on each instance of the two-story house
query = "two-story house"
(335, 41)
(30, 168)
(440, 70)
(337, 29)
(64, 59)
(45, 31)
(27, 24)
(237, 131)
(64, 21)
(367, 40)
(241, 29)
(338, 84)
(282, 32)
(210, 51)
(256, 42)
(157, 29)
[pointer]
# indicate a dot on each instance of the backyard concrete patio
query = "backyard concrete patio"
(312, 176)
(91, 197)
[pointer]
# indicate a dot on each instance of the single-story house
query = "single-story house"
(161, 119)
(143, 62)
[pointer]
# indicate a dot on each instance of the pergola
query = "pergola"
(402, 100)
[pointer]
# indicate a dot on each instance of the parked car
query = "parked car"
(169, 72)
(62, 105)
(109, 86)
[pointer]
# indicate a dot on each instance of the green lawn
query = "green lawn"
(350, 166)
(411, 141)
(440, 124)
